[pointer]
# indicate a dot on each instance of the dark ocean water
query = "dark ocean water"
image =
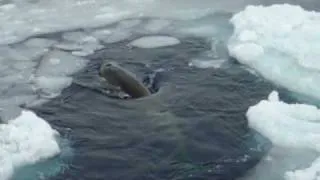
(194, 127)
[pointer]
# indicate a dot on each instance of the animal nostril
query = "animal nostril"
(108, 65)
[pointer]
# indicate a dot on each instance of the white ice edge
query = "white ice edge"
(26, 140)
(201, 63)
(155, 41)
(282, 43)
(289, 125)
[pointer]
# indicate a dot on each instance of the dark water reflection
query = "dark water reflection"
(193, 128)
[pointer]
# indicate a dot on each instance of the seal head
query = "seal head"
(123, 79)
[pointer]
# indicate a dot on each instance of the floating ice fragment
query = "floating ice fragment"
(22, 142)
(82, 53)
(207, 63)
(117, 36)
(7, 7)
(292, 126)
(273, 96)
(155, 41)
(54, 61)
(101, 33)
(68, 64)
(129, 23)
(79, 41)
(310, 173)
(281, 42)
(40, 42)
(68, 46)
(51, 86)
(156, 25)
(74, 36)
(24, 65)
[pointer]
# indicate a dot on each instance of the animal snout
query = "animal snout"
(108, 64)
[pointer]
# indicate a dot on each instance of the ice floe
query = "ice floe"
(155, 41)
(293, 125)
(290, 126)
(40, 42)
(59, 63)
(282, 43)
(156, 25)
(128, 24)
(23, 19)
(26, 140)
(217, 63)
(30, 71)
(118, 36)
(81, 43)
(53, 73)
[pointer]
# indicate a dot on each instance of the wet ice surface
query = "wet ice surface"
(30, 72)
(294, 129)
(81, 43)
(207, 63)
(51, 16)
(26, 140)
(282, 43)
(155, 41)
(156, 25)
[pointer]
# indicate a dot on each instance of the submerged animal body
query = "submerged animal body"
(122, 79)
